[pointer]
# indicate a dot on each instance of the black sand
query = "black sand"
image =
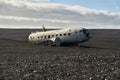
(98, 59)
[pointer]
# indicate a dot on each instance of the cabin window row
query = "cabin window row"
(49, 36)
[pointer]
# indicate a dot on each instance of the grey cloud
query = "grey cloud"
(13, 22)
(47, 13)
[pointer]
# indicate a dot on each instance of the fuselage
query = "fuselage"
(65, 36)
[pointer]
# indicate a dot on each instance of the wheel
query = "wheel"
(79, 44)
(50, 43)
(58, 41)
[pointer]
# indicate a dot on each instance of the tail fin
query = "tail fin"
(43, 28)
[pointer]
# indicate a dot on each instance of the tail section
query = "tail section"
(43, 28)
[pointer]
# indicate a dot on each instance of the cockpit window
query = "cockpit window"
(80, 30)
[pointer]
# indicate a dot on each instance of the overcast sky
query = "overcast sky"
(60, 13)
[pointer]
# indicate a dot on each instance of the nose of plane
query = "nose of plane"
(29, 38)
(87, 34)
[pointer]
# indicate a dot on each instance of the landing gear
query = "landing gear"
(50, 43)
(57, 41)
(78, 44)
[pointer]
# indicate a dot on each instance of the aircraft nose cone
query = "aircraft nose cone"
(29, 38)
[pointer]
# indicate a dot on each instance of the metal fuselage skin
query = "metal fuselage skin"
(65, 35)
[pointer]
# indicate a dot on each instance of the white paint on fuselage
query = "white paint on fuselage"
(65, 35)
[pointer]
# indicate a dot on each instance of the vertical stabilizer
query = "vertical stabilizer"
(43, 28)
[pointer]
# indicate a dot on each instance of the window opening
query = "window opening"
(45, 37)
(64, 34)
(48, 36)
(56, 35)
(60, 34)
(52, 35)
(69, 34)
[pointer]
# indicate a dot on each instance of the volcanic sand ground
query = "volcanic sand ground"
(98, 59)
